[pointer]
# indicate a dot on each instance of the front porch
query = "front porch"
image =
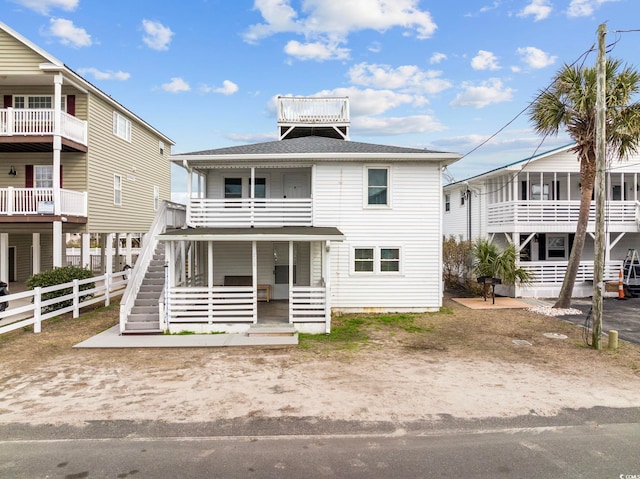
(228, 280)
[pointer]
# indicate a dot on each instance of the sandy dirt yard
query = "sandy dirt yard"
(461, 363)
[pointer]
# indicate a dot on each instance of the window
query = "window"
(363, 260)
(37, 102)
(539, 192)
(161, 147)
(232, 188)
(156, 198)
(261, 187)
(389, 260)
(377, 260)
(377, 186)
(121, 126)
(447, 202)
(463, 195)
(43, 176)
(117, 189)
(557, 246)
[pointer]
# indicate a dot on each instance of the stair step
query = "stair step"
(270, 330)
(147, 310)
(145, 301)
(151, 288)
(141, 332)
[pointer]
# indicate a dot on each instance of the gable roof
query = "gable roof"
(315, 147)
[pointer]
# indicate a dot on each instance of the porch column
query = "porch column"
(85, 251)
(128, 253)
(35, 253)
(57, 243)
(57, 146)
(108, 253)
(4, 257)
(254, 275)
(183, 264)
(210, 264)
(290, 281)
(326, 275)
(117, 263)
(169, 255)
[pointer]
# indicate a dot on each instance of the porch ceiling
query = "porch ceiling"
(285, 233)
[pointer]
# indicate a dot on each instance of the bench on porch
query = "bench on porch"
(248, 281)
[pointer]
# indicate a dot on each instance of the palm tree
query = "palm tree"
(570, 103)
(490, 261)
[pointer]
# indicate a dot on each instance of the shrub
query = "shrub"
(61, 275)
(456, 259)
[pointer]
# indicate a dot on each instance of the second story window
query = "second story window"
(447, 202)
(34, 102)
(378, 186)
(117, 189)
(121, 126)
(43, 176)
(232, 188)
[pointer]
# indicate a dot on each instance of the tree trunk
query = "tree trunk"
(587, 178)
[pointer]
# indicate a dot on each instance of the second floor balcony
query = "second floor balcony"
(40, 202)
(249, 212)
(40, 122)
(559, 215)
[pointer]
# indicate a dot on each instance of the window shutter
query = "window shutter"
(28, 176)
(8, 101)
(61, 176)
(542, 247)
(71, 105)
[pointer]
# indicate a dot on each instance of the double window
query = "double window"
(233, 188)
(377, 186)
(376, 259)
(37, 102)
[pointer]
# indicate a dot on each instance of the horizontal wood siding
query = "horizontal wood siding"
(140, 165)
(412, 224)
(17, 59)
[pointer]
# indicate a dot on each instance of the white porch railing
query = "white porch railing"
(220, 304)
(33, 201)
(246, 212)
(558, 211)
(313, 110)
(554, 271)
(40, 122)
(168, 214)
(307, 305)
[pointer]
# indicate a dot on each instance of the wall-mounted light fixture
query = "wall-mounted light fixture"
(12, 171)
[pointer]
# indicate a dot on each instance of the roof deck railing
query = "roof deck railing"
(312, 110)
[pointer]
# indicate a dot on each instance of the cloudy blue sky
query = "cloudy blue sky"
(443, 75)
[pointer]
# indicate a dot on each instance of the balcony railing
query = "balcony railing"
(313, 110)
(40, 122)
(559, 211)
(554, 271)
(246, 212)
(40, 201)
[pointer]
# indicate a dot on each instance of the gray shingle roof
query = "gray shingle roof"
(307, 144)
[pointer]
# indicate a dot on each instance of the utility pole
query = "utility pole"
(598, 262)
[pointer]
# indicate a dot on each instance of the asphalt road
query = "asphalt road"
(622, 315)
(595, 443)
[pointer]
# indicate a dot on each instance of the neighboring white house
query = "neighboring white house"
(534, 204)
(313, 220)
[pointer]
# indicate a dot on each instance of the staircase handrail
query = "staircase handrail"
(137, 273)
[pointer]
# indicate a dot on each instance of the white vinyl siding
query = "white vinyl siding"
(412, 226)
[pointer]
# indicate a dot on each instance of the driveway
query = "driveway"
(622, 315)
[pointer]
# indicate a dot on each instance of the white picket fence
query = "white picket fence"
(30, 303)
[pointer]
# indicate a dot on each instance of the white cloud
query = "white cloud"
(44, 6)
(227, 88)
(336, 19)
(67, 33)
(487, 93)
(485, 60)
(389, 126)
(104, 75)
(316, 51)
(584, 8)
(539, 9)
(405, 77)
(176, 85)
(536, 58)
(437, 57)
(157, 36)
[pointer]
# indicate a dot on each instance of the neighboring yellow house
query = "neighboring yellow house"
(72, 160)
